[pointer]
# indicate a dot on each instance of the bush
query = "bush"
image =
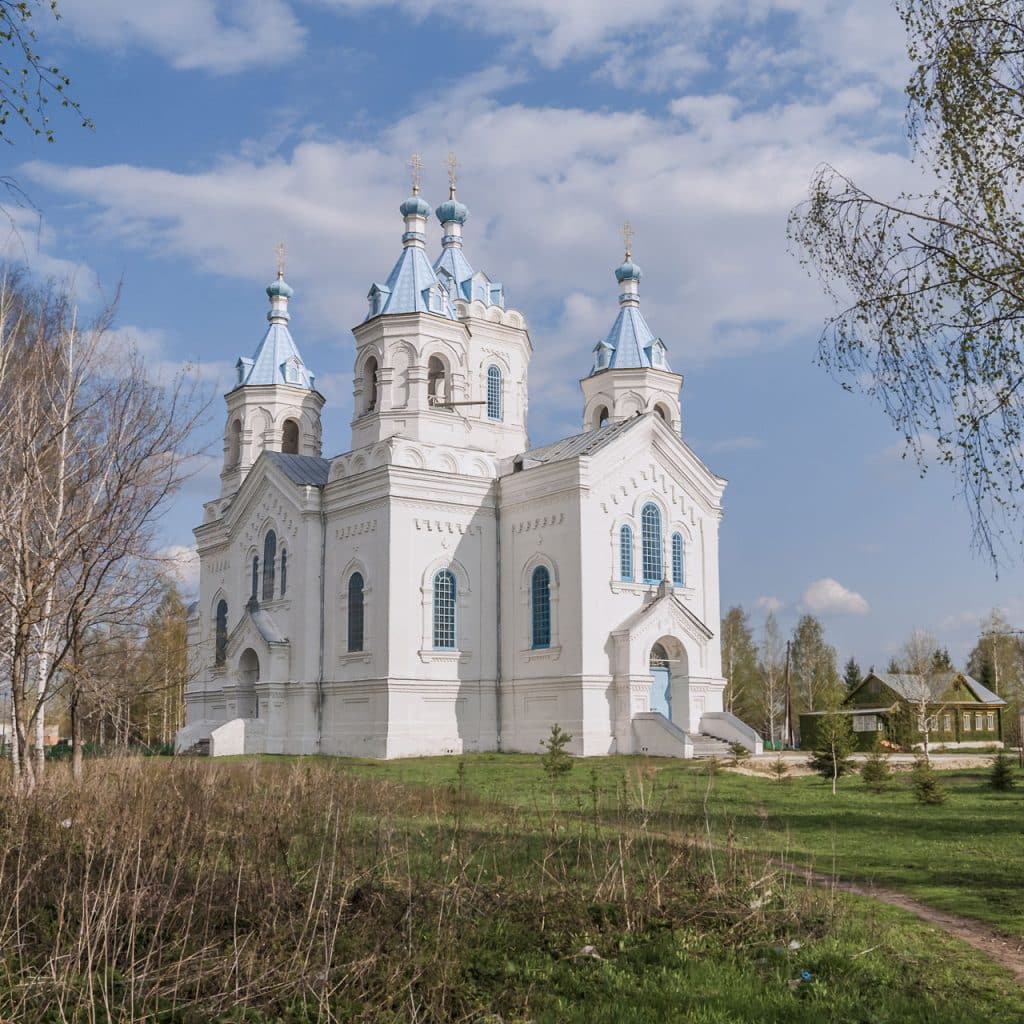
(925, 784)
(557, 761)
(739, 752)
(1001, 776)
(876, 772)
(780, 769)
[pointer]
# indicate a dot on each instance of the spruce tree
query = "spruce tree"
(852, 675)
(557, 761)
(925, 784)
(1001, 776)
(876, 773)
(832, 747)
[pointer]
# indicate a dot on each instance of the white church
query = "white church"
(443, 587)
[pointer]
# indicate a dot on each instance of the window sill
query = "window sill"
(444, 656)
(552, 653)
(347, 657)
(629, 587)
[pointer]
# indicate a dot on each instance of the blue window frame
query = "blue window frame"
(626, 554)
(494, 410)
(269, 561)
(650, 527)
(220, 647)
(355, 612)
(678, 576)
(444, 611)
(540, 602)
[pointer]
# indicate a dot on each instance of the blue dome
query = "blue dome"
(280, 287)
(415, 206)
(629, 271)
(452, 209)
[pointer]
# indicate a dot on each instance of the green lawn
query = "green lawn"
(294, 891)
(965, 856)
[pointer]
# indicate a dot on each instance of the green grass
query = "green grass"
(964, 856)
(287, 891)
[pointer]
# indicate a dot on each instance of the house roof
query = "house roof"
(305, 470)
(912, 687)
(579, 444)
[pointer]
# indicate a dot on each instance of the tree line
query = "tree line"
(93, 449)
(772, 680)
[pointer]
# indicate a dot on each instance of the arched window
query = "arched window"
(234, 443)
(255, 577)
(284, 572)
(437, 381)
(370, 383)
(650, 526)
(269, 561)
(678, 576)
(290, 438)
(540, 604)
(662, 412)
(220, 640)
(602, 416)
(355, 612)
(494, 393)
(444, 610)
(626, 554)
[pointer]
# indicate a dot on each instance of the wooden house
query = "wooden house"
(962, 712)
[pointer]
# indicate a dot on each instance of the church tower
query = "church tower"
(439, 358)
(631, 374)
(274, 404)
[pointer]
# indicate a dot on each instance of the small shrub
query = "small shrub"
(557, 761)
(925, 784)
(1001, 776)
(712, 765)
(780, 769)
(876, 772)
(739, 752)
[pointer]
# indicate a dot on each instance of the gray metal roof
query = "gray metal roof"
(580, 444)
(912, 687)
(305, 470)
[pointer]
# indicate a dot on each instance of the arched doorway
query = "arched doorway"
(661, 687)
(246, 704)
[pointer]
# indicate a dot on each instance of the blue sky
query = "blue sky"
(222, 128)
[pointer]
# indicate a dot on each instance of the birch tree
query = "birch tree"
(771, 665)
(95, 451)
(929, 284)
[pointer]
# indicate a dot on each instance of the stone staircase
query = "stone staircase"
(199, 749)
(708, 746)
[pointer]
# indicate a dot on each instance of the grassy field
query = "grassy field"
(965, 856)
(272, 891)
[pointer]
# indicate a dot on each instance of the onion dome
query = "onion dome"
(415, 206)
(452, 210)
(627, 271)
(280, 288)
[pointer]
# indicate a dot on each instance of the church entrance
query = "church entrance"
(661, 688)
(248, 676)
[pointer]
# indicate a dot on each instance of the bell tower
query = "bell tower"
(631, 373)
(274, 404)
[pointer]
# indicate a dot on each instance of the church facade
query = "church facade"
(443, 587)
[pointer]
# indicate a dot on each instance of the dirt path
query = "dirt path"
(1005, 950)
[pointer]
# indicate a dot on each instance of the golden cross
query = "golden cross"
(627, 237)
(416, 163)
(280, 250)
(452, 165)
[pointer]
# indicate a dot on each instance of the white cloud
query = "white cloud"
(769, 605)
(829, 597)
(181, 563)
(709, 206)
(212, 35)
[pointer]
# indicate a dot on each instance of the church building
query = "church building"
(443, 587)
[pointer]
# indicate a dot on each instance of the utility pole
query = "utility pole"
(789, 700)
